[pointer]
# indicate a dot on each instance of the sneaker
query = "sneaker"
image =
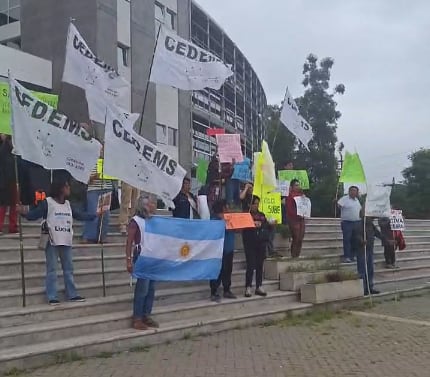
(148, 321)
(54, 302)
(374, 292)
(260, 292)
(230, 295)
(248, 292)
(215, 297)
(138, 324)
(347, 261)
(77, 299)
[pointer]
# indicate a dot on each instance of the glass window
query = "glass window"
(161, 134)
(123, 55)
(170, 19)
(10, 11)
(159, 12)
(172, 137)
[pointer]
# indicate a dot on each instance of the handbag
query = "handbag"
(44, 236)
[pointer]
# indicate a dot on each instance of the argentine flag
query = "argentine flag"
(180, 249)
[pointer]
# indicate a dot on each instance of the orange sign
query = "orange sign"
(238, 220)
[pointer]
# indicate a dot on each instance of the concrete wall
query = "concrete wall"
(10, 31)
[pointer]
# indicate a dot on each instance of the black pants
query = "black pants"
(255, 254)
(390, 254)
(224, 275)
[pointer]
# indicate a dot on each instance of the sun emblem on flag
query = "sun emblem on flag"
(185, 250)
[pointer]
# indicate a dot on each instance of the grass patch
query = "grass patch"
(187, 336)
(336, 276)
(104, 355)
(315, 267)
(311, 318)
(141, 348)
(62, 358)
(14, 372)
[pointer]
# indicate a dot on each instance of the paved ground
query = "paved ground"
(343, 345)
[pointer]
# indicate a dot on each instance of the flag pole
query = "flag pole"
(365, 262)
(21, 242)
(148, 81)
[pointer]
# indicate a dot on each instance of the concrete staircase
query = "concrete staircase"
(40, 334)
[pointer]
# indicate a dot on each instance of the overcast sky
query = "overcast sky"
(381, 50)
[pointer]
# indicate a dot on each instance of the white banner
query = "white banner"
(84, 69)
(397, 222)
(184, 65)
(378, 201)
(138, 162)
(46, 137)
(304, 206)
(295, 123)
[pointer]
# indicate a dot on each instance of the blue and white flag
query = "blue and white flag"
(180, 249)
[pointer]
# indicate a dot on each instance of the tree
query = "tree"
(318, 107)
(413, 197)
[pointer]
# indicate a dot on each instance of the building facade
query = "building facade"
(123, 33)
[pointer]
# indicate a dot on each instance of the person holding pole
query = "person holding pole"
(8, 189)
(350, 221)
(145, 290)
(295, 222)
(58, 214)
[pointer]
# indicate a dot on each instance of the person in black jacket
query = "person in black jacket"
(8, 189)
(185, 202)
(363, 245)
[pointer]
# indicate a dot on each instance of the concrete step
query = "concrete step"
(87, 273)
(391, 284)
(36, 354)
(403, 272)
(166, 294)
(86, 325)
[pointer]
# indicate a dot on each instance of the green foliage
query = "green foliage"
(335, 277)
(318, 107)
(413, 196)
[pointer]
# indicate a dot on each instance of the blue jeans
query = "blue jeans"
(361, 266)
(92, 228)
(349, 230)
(65, 253)
(232, 191)
(143, 301)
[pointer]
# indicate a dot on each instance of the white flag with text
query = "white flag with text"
(46, 137)
(184, 65)
(84, 69)
(295, 123)
(138, 162)
(378, 201)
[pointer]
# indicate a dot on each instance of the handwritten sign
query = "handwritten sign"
(283, 187)
(270, 205)
(229, 148)
(303, 205)
(378, 201)
(238, 221)
(397, 222)
(242, 171)
(100, 171)
(300, 175)
(104, 202)
(202, 170)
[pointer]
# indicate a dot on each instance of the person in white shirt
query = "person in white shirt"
(350, 221)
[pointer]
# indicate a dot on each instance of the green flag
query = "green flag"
(50, 99)
(352, 169)
(202, 170)
(300, 175)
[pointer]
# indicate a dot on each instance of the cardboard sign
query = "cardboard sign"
(100, 171)
(104, 202)
(270, 205)
(50, 99)
(238, 221)
(229, 148)
(303, 205)
(300, 175)
(242, 171)
(397, 222)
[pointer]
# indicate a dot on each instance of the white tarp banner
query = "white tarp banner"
(295, 123)
(378, 201)
(84, 69)
(304, 206)
(184, 65)
(138, 162)
(46, 137)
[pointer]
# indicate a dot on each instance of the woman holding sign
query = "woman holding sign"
(296, 220)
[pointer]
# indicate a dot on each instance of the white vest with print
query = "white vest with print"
(141, 224)
(60, 222)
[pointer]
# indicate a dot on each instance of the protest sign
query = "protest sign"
(100, 171)
(238, 221)
(43, 135)
(378, 201)
(184, 65)
(397, 221)
(300, 175)
(270, 205)
(104, 202)
(229, 148)
(202, 170)
(5, 128)
(283, 187)
(303, 205)
(215, 131)
(242, 171)
(352, 169)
